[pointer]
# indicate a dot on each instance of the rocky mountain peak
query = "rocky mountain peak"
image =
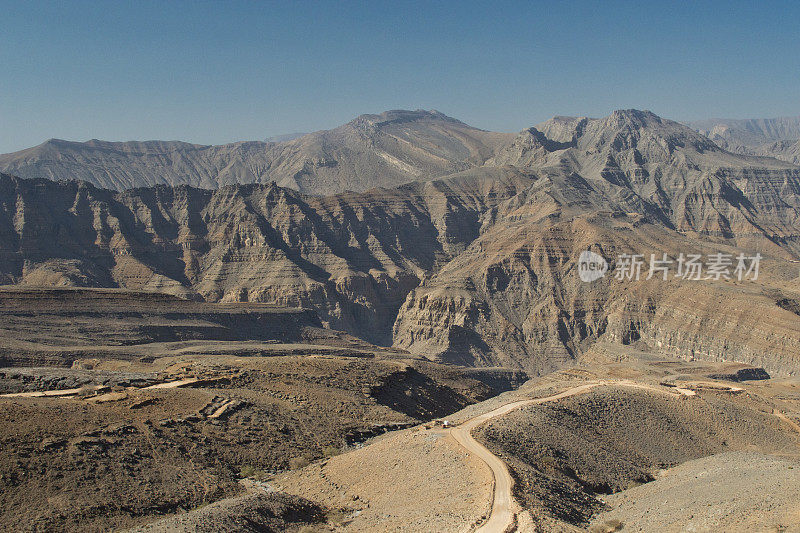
(654, 137)
(563, 129)
(640, 137)
(380, 150)
(400, 116)
(634, 117)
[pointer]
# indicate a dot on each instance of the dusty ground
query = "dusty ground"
(731, 491)
(123, 455)
(127, 456)
(572, 455)
(254, 513)
(568, 455)
(415, 480)
(194, 433)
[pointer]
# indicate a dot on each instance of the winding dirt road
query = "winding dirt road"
(503, 513)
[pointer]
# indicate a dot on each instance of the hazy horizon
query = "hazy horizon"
(216, 73)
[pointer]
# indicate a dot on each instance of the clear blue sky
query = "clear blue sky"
(214, 72)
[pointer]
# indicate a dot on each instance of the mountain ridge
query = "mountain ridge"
(775, 137)
(385, 149)
(477, 267)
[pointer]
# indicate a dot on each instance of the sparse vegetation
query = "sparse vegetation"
(609, 526)
(298, 462)
(331, 451)
(249, 471)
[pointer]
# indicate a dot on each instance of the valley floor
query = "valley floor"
(108, 423)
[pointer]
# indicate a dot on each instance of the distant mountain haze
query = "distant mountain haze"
(773, 137)
(384, 150)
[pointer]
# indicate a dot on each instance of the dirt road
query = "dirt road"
(503, 512)
(502, 517)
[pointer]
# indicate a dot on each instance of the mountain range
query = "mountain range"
(412, 229)
(382, 150)
(774, 137)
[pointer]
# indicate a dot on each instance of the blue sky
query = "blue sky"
(214, 72)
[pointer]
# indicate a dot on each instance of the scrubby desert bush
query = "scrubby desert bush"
(608, 526)
(298, 462)
(249, 471)
(331, 451)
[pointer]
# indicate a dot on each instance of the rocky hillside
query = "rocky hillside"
(642, 163)
(569, 458)
(629, 183)
(785, 150)
(352, 257)
(383, 150)
(775, 137)
(478, 267)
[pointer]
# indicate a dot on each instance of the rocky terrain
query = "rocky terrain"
(249, 355)
(730, 491)
(218, 434)
(257, 513)
(596, 459)
(199, 429)
(564, 455)
(353, 257)
(126, 425)
(58, 326)
(778, 137)
(477, 268)
(387, 150)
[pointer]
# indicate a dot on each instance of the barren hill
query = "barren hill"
(223, 389)
(388, 149)
(785, 150)
(772, 137)
(478, 267)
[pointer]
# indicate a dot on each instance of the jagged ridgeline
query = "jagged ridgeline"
(775, 137)
(468, 254)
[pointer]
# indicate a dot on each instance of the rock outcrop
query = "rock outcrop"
(351, 257)
(476, 268)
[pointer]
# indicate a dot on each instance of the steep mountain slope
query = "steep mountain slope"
(785, 150)
(766, 137)
(373, 150)
(382, 151)
(514, 298)
(477, 268)
(639, 162)
(352, 257)
(630, 183)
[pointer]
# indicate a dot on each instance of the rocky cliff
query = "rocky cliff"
(478, 267)
(352, 257)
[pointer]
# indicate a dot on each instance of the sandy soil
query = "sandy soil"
(415, 480)
(727, 492)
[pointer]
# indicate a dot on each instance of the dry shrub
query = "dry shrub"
(298, 462)
(608, 526)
